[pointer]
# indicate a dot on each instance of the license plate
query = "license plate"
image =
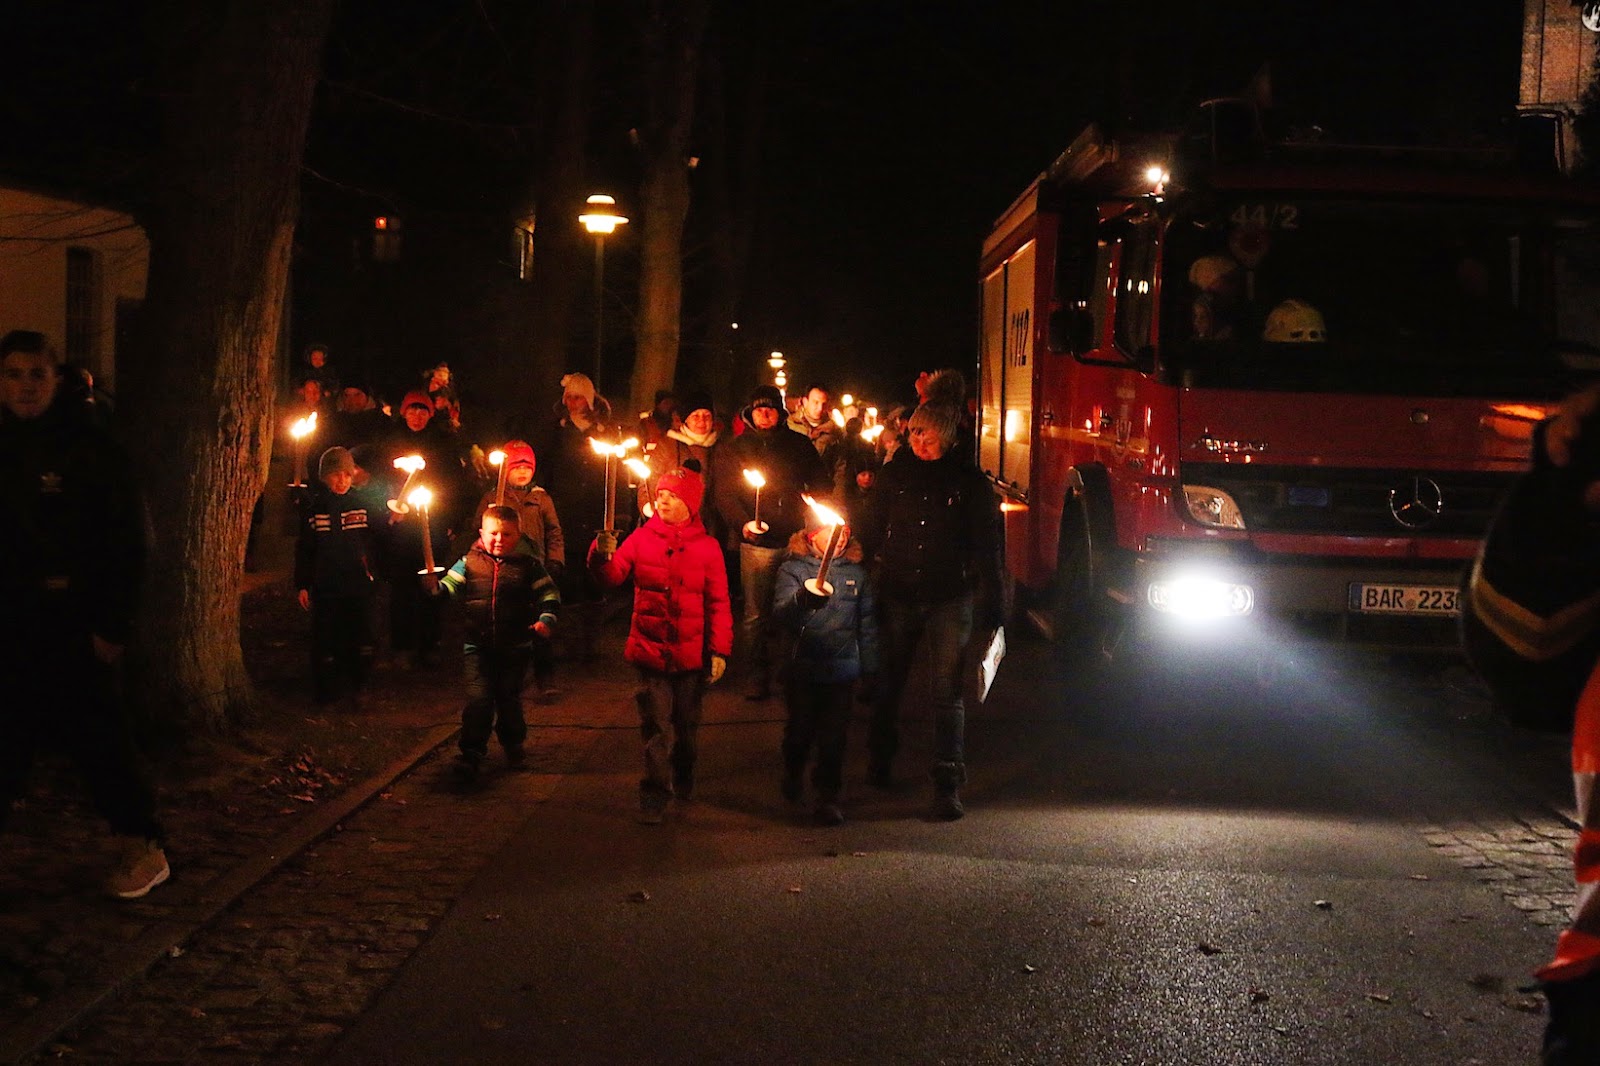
(1404, 599)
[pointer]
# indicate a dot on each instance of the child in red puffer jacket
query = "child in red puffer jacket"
(682, 630)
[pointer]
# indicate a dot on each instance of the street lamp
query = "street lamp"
(600, 218)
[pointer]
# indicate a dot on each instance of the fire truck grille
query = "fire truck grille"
(1357, 502)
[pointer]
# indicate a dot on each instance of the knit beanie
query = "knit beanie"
(519, 453)
(763, 396)
(335, 460)
(697, 401)
(579, 384)
(416, 398)
(687, 485)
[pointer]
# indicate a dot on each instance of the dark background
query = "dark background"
(894, 133)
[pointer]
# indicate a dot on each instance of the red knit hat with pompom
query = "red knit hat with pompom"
(687, 485)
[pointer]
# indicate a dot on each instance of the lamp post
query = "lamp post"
(600, 218)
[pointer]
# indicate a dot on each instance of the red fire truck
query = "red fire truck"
(1273, 388)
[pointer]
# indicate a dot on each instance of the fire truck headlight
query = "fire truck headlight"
(1212, 507)
(1199, 597)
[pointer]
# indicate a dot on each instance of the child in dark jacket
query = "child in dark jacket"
(682, 630)
(541, 533)
(510, 601)
(835, 643)
(333, 573)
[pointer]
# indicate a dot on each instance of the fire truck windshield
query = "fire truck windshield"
(1422, 298)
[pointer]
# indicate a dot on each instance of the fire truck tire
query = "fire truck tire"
(1079, 619)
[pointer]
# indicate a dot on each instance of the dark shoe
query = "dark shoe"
(793, 788)
(141, 866)
(649, 814)
(549, 694)
(467, 767)
(828, 813)
(516, 758)
(762, 691)
(1572, 1035)
(683, 789)
(947, 805)
(879, 776)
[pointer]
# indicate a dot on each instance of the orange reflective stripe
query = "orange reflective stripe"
(1586, 728)
(1576, 954)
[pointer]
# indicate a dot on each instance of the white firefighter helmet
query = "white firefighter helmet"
(1295, 322)
(1214, 273)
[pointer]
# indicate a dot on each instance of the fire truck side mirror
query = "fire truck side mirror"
(1071, 330)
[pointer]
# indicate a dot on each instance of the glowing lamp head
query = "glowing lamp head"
(410, 463)
(600, 216)
(755, 477)
(420, 497)
(775, 360)
(846, 400)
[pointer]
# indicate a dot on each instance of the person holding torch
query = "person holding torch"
(785, 465)
(934, 523)
(824, 603)
(681, 632)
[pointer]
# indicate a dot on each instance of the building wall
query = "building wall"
(36, 233)
(1557, 54)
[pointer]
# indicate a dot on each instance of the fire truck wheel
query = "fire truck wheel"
(1079, 618)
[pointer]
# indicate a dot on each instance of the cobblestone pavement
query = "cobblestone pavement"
(280, 975)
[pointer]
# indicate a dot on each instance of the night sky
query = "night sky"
(897, 130)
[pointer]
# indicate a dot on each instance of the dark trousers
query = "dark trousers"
(819, 714)
(947, 627)
(61, 695)
(341, 644)
(669, 715)
(494, 699)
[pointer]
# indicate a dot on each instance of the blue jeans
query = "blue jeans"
(948, 629)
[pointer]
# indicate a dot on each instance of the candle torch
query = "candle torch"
(612, 452)
(410, 464)
(302, 428)
(498, 458)
(756, 526)
(818, 586)
(420, 497)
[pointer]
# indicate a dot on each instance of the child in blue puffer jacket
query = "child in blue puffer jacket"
(835, 643)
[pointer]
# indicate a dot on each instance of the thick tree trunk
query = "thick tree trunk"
(674, 30)
(561, 248)
(202, 401)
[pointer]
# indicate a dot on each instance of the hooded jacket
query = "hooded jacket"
(537, 520)
(835, 641)
(680, 595)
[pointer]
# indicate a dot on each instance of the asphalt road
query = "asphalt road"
(1350, 864)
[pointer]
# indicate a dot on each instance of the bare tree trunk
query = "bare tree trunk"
(733, 178)
(673, 33)
(202, 401)
(561, 248)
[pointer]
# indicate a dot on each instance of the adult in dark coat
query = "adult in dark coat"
(790, 466)
(576, 481)
(73, 537)
(934, 522)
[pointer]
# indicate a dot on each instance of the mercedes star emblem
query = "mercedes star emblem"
(1416, 502)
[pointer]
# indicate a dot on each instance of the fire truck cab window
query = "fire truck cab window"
(1136, 290)
(1405, 298)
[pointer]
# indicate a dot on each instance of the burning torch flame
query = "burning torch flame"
(303, 426)
(497, 457)
(838, 418)
(755, 478)
(871, 434)
(640, 468)
(420, 497)
(827, 514)
(410, 463)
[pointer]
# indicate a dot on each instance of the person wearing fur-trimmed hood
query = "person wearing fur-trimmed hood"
(834, 641)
